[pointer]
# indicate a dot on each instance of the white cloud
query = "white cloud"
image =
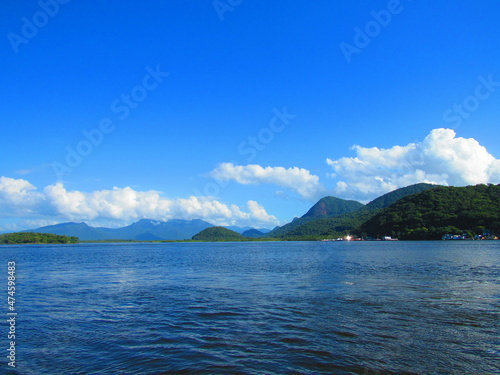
(441, 158)
(18, 196)
(26, 224)
(125, 205)
(299, 180)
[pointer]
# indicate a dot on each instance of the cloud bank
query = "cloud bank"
(20, 198)
(299, 180)
(441, 158)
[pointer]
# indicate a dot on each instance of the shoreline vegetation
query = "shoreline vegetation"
(222, 240)
(417, 212)
(68, 240)
(19, 238)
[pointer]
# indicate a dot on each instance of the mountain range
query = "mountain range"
(333, 216)
(420, 211)
(142, 230)
(328, 216)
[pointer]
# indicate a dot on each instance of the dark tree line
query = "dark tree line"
(443, 210)
(35, 238)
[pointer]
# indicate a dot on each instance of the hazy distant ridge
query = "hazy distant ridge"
(142, 230)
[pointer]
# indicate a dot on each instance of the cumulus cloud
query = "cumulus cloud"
(18, 196)
(299, 180)
(21, 198)
(441, 158)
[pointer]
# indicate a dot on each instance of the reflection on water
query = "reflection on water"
(267, 308)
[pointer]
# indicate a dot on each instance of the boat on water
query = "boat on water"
(389, 238)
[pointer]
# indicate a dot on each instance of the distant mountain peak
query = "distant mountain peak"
(315, 223)
(332, 206)
(150, 221)
(142, 230)
(252, 233)
(72, 223)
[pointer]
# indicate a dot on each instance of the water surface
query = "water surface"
(266, 308)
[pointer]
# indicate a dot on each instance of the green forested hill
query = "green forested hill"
(218, 234)
(35, 238)
(326, 207)
(331, 207)
(439, 211)
(252, 233)
(338, 226)
(387, 199)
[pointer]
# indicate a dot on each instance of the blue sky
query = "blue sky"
(239, 112)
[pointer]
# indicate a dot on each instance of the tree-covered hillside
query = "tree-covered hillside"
(253, 233)
(218, 234)
(326, 207)
(331, 207)
(347, 223)
(433, 213)
(35, 238)
(388, 199)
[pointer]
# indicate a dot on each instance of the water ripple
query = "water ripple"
(266, 308)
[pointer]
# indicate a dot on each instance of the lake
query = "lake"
(256, 308)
